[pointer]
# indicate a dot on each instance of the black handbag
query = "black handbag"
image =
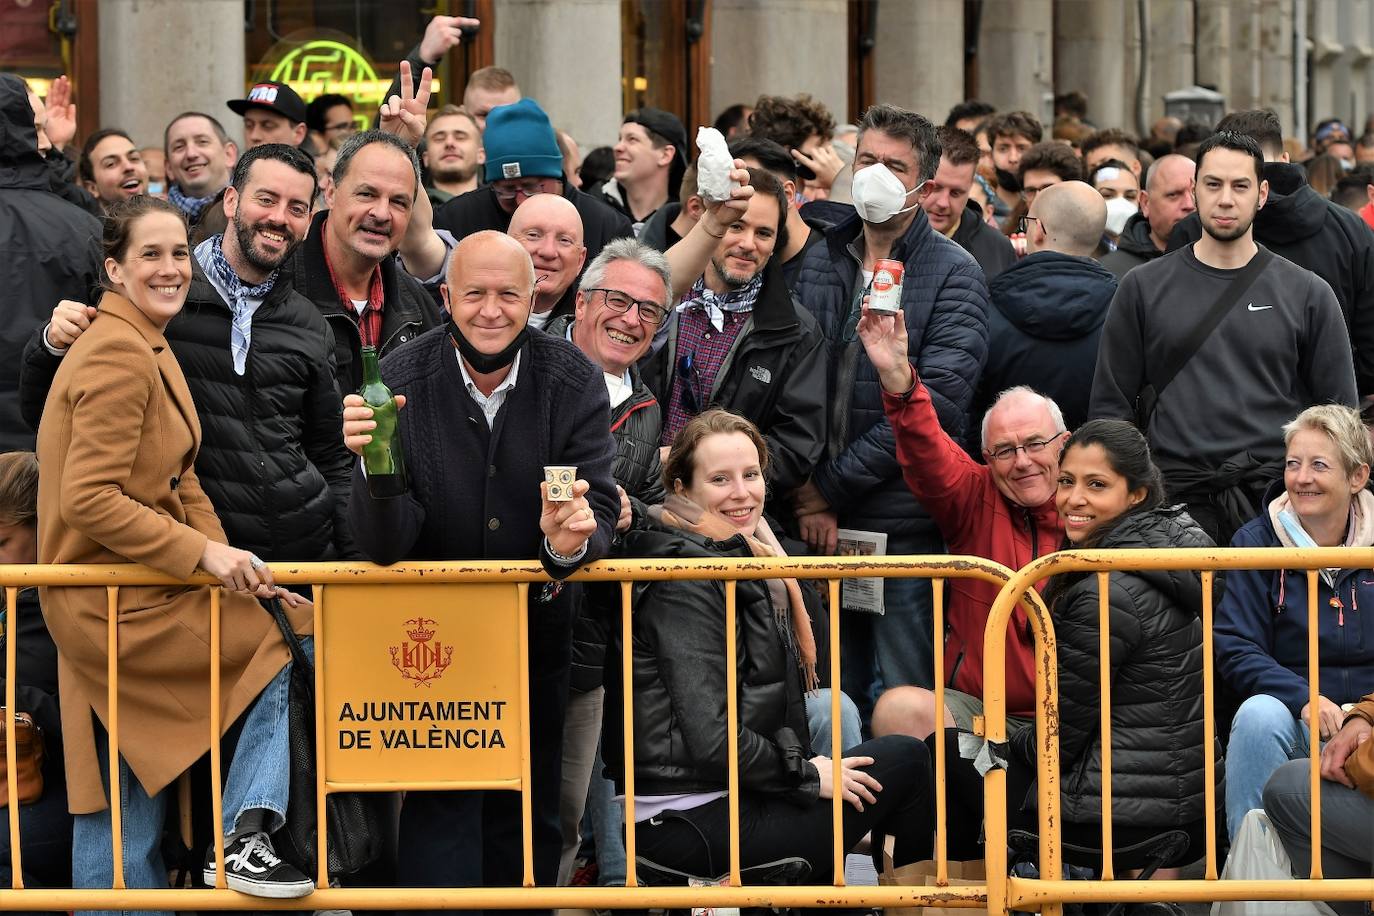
(355, 819)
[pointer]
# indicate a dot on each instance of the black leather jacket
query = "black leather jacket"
(679, 683)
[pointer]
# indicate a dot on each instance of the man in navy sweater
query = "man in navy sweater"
(489, 405)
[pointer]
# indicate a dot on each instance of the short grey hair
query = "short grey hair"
(1025, 391)
(354, 144)
(628, 249)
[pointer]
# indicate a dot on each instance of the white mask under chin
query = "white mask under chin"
(879, 195)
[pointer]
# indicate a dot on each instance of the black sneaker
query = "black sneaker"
(252, 867)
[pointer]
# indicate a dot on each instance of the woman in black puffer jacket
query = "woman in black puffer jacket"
(1110, 495)
(717, 466)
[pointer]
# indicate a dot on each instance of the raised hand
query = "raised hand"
(404, 114)
(884, 339)
(443, 34)
(721, 215)
(61, 125)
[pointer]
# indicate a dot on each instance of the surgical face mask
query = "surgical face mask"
(879, 195)
(1119, 209)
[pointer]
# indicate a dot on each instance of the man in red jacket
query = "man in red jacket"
(1003, 511)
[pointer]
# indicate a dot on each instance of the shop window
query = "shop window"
(665, 58)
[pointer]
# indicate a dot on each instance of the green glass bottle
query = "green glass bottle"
(382, 457)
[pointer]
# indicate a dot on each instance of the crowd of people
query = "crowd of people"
(1099, 340)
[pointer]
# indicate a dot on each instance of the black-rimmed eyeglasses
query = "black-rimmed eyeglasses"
(650, 312)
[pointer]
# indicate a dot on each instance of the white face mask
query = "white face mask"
(878, 194)
(1119, 209)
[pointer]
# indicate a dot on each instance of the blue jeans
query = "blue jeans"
(1264, 736)
(607, 817)
(818, 721)
(259, 778)
(895, 649)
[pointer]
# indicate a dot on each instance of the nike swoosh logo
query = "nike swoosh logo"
(1258, 308)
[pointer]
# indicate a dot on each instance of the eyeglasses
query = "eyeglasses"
(529, 189)
(342, 125)
(650, 312)
(1033, 447)
(1024, 225)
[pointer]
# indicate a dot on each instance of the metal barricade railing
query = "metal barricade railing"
(325, 576)
(1049, 894)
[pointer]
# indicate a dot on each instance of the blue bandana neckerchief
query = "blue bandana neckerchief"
(210, 254)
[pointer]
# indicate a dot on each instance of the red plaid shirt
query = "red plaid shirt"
(705, 348)
(370, 319)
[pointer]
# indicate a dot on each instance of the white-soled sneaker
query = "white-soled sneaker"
(251, 867)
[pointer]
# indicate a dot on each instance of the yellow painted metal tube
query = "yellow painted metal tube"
(732, 727)
(836, 739)
(937, 594)
(526, 783)
(1314, 721)
(627, 674)
(1104, 662)
(112, 673)
(11, 750)
(216, 763)
(1209, 727)
(321, 790)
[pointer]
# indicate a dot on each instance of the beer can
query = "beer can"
(885, 295)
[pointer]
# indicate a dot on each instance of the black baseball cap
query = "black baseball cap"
(275, 97)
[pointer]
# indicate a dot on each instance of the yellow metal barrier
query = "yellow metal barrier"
(1048, 894)
(331, 581)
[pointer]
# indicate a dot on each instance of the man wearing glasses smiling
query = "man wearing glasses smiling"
(1003, 511)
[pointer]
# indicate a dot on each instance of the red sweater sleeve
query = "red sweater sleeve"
(941, 474)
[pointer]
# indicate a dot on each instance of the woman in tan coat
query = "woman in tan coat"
(116, 447)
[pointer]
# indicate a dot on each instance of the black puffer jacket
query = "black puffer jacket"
(49, 251)
(945, 302)
(1156, 697)
(1324, 237)
(272, 459)
(679, 683)
(408, 310)
(1133, 248)
(1043, 328)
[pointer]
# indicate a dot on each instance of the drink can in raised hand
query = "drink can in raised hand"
(885, 296)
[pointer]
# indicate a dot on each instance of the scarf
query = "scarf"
(191, 206)
(1291, 533)
(715, 306)
(789, 607)
(210, 254)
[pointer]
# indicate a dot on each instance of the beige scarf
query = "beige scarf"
(786, 595)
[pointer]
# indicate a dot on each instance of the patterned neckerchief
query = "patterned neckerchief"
(714, 306)
(210, 254)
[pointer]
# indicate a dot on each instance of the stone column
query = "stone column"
(919, 58)
(1215, 47)
(784, 47)
(1244, 91)
(1087, 57)
(199, 66)
(1016, 56)
(1172, 43)
(1276, 61)
(566, 55)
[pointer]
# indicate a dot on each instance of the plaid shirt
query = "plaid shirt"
(370, 318)
(707, 328)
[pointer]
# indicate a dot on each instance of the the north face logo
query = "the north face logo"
(510, 170)
(761, 373)
(265, 94)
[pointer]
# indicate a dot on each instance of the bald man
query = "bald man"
(550, 230)
(1048, 308)
(487, 406)
(1166, 198)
